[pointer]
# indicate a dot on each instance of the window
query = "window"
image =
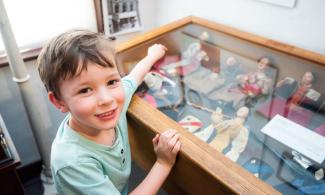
(35, 21)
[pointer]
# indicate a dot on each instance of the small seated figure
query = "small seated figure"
(154, 81)
(303, 87)
(301, 115)
(230, 69)
(256, 83)
(231, 130)
(294, 100)
(303, 94)
(245, 87)
(288, 86)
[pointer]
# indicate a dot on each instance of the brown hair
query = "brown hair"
(68, 54)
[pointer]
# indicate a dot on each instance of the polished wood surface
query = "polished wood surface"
(198, 167)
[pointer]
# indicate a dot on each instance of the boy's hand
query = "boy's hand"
(156, 51)
(166, 147)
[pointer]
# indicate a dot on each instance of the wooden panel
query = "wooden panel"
(198, 167)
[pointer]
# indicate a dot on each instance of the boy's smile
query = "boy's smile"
(94, 98)
(107, 115)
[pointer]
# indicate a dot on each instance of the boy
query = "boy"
(91, 153)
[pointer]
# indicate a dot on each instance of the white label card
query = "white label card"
(297, 137)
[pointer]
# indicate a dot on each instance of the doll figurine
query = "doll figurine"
(293, 100)
(154, 81)
(294, 112)
(256, 83)
(204, 36)
(217, 116)
(303, 87)
(230, 69)
(231, 130)
(287, 87)
(206, 133)
(239, 143)
(245, 87)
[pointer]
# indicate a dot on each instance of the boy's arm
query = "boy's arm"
(153, 181)
(166, 147)
(155, 52)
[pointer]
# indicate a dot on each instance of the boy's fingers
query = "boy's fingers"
(164, 47)
(173, 141)
(177, 147)
(167, 136)
(169, 133)
(155, 139)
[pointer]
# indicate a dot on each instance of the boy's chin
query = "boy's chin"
(110, 126)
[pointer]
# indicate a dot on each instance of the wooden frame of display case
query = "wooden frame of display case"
(199, 169)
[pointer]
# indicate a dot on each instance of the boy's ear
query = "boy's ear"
(59, 104)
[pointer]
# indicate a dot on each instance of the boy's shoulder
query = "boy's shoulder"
(129, 82)
(68, 150)
(69, 153)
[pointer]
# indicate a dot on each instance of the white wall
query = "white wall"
(302, 26)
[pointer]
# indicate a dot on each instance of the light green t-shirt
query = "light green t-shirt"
(81, 166)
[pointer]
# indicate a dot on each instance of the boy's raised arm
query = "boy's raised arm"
(155, 52)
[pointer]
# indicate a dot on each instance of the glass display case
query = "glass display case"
(251, 110)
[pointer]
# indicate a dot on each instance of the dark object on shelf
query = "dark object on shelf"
(9, 180)
(5, 154)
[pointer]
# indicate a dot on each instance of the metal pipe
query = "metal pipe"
(31, 99)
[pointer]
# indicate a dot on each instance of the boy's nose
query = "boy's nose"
(104, 97)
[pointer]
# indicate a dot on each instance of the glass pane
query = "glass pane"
(224, 90)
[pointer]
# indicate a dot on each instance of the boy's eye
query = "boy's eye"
(112, 82)
(84, 91)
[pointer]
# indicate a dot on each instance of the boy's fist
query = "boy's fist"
(166, 147)
(156, 51)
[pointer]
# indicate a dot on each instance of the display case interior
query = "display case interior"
(224, 88)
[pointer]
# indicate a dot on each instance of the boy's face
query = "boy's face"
(94, 98)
